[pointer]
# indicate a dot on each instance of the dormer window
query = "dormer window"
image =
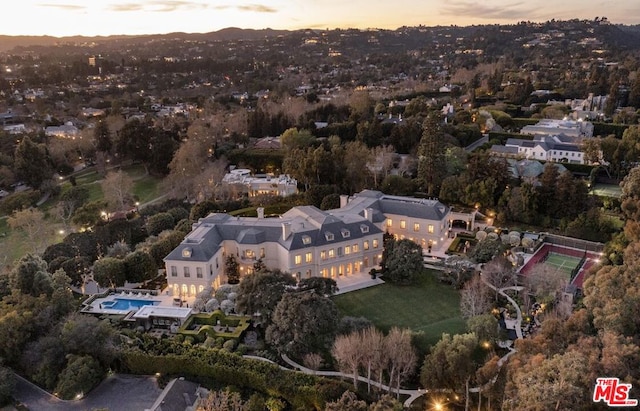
(328, 235)
(345, 233)
(364, 228)
(186, 252)
(306, 240)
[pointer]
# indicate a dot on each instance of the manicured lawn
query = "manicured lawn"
(146, 188)
(427, 306)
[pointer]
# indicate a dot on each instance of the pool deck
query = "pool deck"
(97, 306)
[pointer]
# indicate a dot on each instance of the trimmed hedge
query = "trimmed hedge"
(208, 320)
(302, 391)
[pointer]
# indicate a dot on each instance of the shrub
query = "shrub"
(229, 345)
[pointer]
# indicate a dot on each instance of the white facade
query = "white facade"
(305, 241)
(256, 185)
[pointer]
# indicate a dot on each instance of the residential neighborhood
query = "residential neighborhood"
(428, 217)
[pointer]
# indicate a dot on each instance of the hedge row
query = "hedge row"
(302, 391)
(209, 320)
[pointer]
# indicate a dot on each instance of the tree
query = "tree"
(356, 158)
(403, 261)
(70, 200)
(292, 138)
(401, 355)
(450, 363)
(31, 163)
(349, 353)
(431, 154)
(546, 283)
(374, 358)
(188, 163)
(102, 137)
(7, 386)
(475, 298)
(62, 300)
(31, 223)
(485, 327)
(159, 222)
(261, 292)
(30, 276)
(117, 187)
(555, 383)
(348, 402)
(109, 272)
(139, 267)
(222, 401)
(80, 375)
(486, 250)
(303, 323)
(90, 214)
(231, 269)
(323, 286)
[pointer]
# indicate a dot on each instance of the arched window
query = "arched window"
(192, 290)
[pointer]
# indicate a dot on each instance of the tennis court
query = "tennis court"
(562, 262)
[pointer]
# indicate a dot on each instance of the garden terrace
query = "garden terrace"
(215, 324)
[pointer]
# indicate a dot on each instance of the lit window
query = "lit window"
(365, 245)
(174, 271)
(355, 248)
(347, 250)
(416, 227)
(403, 224)
(249, 254)
(199, 272)
(430, 229)
(262, 253)
(323, 255)
(389, 222)
(186, 272)
(306, 240)
(308, 257)
(331, 253)
(298, 259)
(186, 252)
(375, 243)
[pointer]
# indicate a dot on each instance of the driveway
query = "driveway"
(117, 392)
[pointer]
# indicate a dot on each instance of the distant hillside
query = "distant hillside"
(228, 34)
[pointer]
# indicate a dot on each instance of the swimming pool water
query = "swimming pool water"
(129, 304)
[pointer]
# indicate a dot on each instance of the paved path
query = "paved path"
(413, 394)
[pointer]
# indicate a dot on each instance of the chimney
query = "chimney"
(260, 211)
(286, 231)
(368, 214)
(344, 200)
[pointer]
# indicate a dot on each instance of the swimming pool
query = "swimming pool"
(127, 303)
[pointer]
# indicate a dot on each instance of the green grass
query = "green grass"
(146, 188)
(427, 306)
(607, 190)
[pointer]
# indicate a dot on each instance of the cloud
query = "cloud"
(126, 7)
(68, 7)
(513, 11)
(258, 8)
(175, 5)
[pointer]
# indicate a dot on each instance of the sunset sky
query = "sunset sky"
(105, 17)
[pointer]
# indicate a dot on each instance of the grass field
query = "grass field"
(607, 190)
(427, 306)
(13, 245)
(564, 263)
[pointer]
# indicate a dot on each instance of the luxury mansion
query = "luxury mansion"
(305, 240)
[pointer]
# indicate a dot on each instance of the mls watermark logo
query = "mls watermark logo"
(613, 392)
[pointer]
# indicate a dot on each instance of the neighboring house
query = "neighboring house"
(14, 128)
(263, 184)
(92, 112)
(306, 241)
(547, 148)
(530, 170)
(569, 128)
(67, 130)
